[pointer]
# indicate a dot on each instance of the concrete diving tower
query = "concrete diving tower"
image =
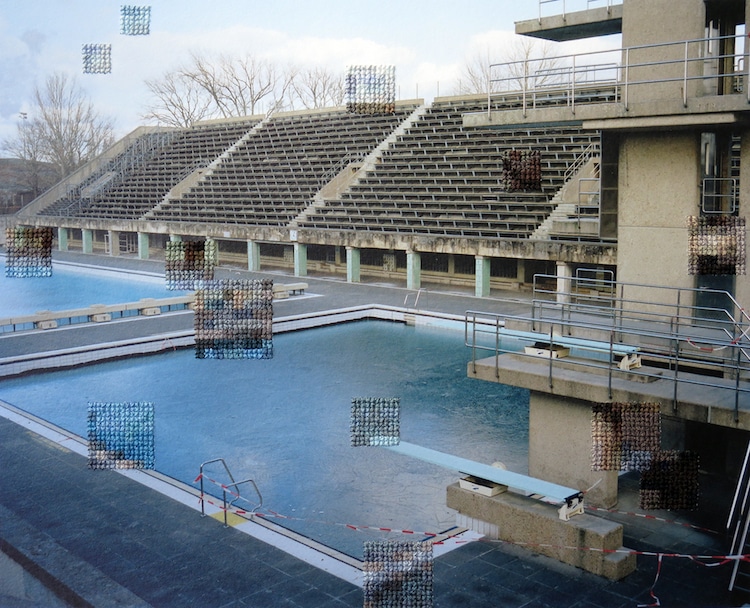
(600, 21)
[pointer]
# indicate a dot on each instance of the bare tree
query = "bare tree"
(179, 101)
(239, 86)
(224, 87)
(317, 87)
(28, 147)
(63, 129)
(526, 63)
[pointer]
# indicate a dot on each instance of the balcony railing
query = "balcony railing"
(575, 5)
(611, 75)
(680, 342)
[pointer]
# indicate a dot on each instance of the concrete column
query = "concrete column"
(143, 243)
(560, 447)
(300, 260)
(114, 242)
(520, 270)
(482, 278)
(564, 283)
(87, 240)
(352, 265)
(413, 270)
(62, 239)
(253, 256)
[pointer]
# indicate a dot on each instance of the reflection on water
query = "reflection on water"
(284, 422)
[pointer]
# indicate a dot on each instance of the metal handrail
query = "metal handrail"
(584, 70)
(226, 505)
(581, 160)
(609, 3)
(416, 299)
(712, 190)
(665, 331)
(602, 354)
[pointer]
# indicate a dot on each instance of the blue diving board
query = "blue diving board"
(532, 485)
(570, 342)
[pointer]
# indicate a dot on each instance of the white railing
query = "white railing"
(576, 4)
(576, 78)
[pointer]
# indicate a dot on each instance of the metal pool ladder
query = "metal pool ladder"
(226, 488)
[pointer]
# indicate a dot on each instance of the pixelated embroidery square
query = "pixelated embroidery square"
(28, 252)
(121, 435)
(375, 421)
(135, 20)
(234, 319)
(398, 574)
(97, 58)
(189, 264)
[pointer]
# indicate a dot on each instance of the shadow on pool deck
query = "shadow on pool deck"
(97, 538)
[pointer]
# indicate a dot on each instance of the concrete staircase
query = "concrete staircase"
(566, 219)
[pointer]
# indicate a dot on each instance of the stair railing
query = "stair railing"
(225, 488)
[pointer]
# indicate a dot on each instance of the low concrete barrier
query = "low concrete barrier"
(585, 541)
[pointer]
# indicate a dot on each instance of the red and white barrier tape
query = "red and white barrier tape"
(718, 560)
(654, 518)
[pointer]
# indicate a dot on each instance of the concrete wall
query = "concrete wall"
(659, 187)
(657, 22)
(560, 447)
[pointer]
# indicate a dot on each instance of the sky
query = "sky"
(427, 40)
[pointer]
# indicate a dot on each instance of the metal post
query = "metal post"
(573, 87)
(551, 352)
(627, 76)
(676, 372)
(203, 510)
(611, 360)
(685, 78)
(737, 388)
(224, 499)
(525, 83)
(474, 344)
(497, 347)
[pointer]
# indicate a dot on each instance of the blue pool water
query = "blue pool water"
(75, 287)
(284, 422)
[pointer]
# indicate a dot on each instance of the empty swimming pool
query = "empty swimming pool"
(284, 422)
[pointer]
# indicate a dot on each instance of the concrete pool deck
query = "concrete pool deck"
(103, 539)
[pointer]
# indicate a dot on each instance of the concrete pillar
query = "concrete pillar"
(352, 265)
(300, 260)
(87, 240)
(413, 270)
(62, 239)
(564, 283)
(482, 278)
(560, 447)
(253, 256)
(143, 242)
(114, 242)
(521, 270)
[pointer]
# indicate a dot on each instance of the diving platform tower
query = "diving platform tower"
(673, 107)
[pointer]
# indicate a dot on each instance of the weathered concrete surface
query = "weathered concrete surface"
(524, 520)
